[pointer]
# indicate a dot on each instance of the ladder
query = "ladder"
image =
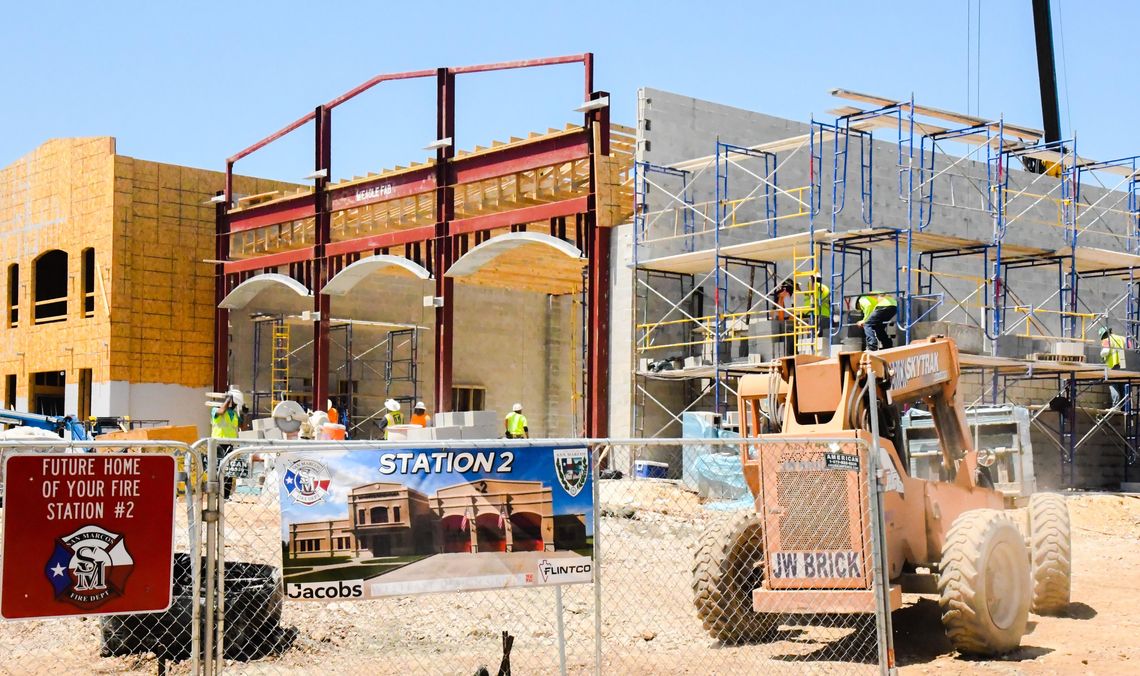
(279, 364)
(803, 302)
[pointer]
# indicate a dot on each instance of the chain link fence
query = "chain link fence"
(685, 561)
(691, 574)
(122, 644)
(679, 552)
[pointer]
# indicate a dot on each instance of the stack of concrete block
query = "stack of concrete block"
(262, 428)
(459, 425)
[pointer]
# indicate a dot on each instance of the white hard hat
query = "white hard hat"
(516, 408)
(392, 405)
(235, 394)
(420, 404)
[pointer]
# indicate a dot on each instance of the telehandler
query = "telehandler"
(806, 547)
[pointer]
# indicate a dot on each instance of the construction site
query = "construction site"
(686, 308)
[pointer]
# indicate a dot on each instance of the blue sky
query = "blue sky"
(191, 83)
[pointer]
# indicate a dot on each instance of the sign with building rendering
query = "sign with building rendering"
(87, 534)
(373, 523)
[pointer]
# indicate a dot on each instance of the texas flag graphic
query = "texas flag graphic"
(89, 567)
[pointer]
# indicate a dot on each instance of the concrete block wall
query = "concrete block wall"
(672, 128)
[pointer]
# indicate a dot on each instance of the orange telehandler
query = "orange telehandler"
(806, 548)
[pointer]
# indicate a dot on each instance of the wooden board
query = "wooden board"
(1025, 133)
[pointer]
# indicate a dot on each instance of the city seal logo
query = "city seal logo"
(307, 482)
(572, 467)
(89, 567)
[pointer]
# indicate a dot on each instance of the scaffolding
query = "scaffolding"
(983, 285)
(398, 369)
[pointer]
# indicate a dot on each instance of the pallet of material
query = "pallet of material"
(186, 434)
(1059, 358)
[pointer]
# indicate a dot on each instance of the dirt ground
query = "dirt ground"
(648, 533)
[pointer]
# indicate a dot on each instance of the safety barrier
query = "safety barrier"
(669, 557)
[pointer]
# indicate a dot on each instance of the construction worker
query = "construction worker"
(879, 310)
(516, 424)
(1112, 349)
(392, 417)
(784, 300)
(821, 305)
(225, 421)
(420, 416)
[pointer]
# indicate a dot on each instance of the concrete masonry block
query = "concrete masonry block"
(479, 432)
(480, 418)
(451, 432)
(449, 419)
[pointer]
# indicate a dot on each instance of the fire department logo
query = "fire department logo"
(307, 482)
(89, 567)
(572, 467)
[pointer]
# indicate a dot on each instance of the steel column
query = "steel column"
(221, 315)
(444, 249)
(598, 271)
(321, 304)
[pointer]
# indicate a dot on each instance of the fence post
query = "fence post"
(596, 461)
(191, 475)
(210, 520)
(882, 584)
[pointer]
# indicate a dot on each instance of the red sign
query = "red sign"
(87, 534)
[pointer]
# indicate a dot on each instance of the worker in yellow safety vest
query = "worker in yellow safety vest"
(879, 310)
(393, 417)
(225, 421)
(1112, 349)
(821, 304)
(516, 424)
(420, 416)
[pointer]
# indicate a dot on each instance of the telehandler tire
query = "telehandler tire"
(726, 568)
(984, 581)
(1050, 552)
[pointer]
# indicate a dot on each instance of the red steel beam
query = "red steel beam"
(522, 63)
(444, 249)
(538, 212)
(307, 117)
(598, 241)
(270, 260)
(221, 315)
(383, 189)
(272, 214)
(388, 239)
(521, 158)
(321, 302)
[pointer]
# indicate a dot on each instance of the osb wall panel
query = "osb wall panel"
(59, 196)
(163, 308)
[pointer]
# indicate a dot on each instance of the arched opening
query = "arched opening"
(378, 515)
(490, 536)
(526, 532)
(49, 280)
(88, 282)
(456, 534)
(245, 292)
(14, 295)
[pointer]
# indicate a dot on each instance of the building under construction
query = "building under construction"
(469, 280)
(1021, 250)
